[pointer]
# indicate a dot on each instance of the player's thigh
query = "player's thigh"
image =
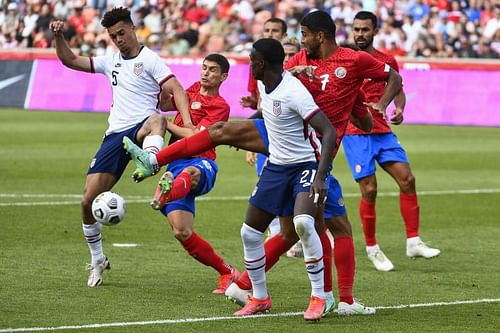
(257, 218)
(339, 226)
(181, 221)
(155, 124)
(97, 183)
(360, 155)
(242, 134)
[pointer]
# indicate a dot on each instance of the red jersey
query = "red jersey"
(340, 79)
(204, 111)
(252, 85)
(373, 92)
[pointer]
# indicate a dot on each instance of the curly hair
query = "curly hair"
(116, 15)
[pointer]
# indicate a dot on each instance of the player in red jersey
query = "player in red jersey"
(187, 178)
(382, 145)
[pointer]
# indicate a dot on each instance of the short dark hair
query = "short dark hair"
(271, 50)
(319, 21)
(115, 15)
(220, 60)
(366, 15)
(284, 28)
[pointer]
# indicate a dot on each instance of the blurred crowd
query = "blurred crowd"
(414, 28)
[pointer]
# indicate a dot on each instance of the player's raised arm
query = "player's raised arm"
(64, 53)
(181, 100)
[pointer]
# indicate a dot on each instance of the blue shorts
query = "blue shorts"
(208, 169)
(363, 150)
(111, 157)
(259, 164)
(279, 185)
(334, 205)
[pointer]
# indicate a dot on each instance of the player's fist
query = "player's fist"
(251, 158)
(56, 27)
(248, 102)
(397, 117)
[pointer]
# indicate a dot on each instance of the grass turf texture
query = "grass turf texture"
(43, 252)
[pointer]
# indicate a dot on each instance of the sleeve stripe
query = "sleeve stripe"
(92, 68)
(166, 79)
(387, 68)
(311, 114)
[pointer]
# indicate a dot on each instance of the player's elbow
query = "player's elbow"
(395, 79)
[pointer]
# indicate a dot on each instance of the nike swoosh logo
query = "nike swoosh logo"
(10, 81)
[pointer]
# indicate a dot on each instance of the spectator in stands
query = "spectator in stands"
(62, 9)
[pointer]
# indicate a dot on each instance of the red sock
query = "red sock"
(201, 250)
(327, 259)
(186, 147)
(408, 204)
(180, 187)
(368, 220)
(343, 256)
(275, 247)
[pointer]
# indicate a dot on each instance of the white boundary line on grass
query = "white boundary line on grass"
(142, 199)
(195, 320)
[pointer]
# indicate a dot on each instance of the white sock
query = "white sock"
(313, 252)
(412, 241)
(92, 234)
(153, 143)
(372, 249)
(274, 227)
(255, 260)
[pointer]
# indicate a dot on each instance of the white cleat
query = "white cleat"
(354, 309)
(295, 251)
(420, 249)
(237, 295)
(95, 277)
(380, 261)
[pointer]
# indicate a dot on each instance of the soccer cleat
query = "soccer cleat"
(295, 251)
(420, 249)
(224, 281)
(141, 158)
(315, 309)
(95, 277)
(380, 261)
(255, 306)
(353, 309)
(237, 295)
(330, 304)
(160, 197)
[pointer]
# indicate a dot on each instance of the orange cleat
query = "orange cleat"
(255, 306)
(315, 309)
(162, 191)
(224, 281)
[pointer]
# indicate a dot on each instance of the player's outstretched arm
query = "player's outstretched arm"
(64, 53)
(173, 87)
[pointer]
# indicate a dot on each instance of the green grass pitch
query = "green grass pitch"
(43, 161)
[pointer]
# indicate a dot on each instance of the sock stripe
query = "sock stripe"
(313, 261)
(255, 260)
(254, 268)
(317, 272)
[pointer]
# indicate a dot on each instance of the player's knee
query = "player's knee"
(339, 226)
(407, 184)
(250, 236)
(182, 234)
(157, 124)
(369, 190)
(304, 225)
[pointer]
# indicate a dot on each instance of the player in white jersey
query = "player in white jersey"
(138, 79)
(293, 182)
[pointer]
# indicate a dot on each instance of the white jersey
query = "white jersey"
(136, 83)
(286, 111)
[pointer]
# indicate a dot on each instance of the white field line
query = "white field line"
(142, 199)
(195, 320)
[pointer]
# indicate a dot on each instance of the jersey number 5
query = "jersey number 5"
(115, 81)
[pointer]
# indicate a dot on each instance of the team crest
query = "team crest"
(138, 68)
(340, 72)
(276, 108)
(358, 168)
(195, 105)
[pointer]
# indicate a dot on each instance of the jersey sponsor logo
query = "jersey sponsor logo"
(340, 72)
(118, 65)
(138, 68)
(195, 105)
(276, 108)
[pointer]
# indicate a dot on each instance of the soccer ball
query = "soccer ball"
(109, 208)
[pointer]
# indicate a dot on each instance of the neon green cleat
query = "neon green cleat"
(142, 160)
(163, 188)
(330, 304)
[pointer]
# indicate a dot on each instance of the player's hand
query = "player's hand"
(318, 192)
(190, 126)
(304, 70)
(249, 102)
(397, 116)
(251, 158)
(377, 107)
(56, 27)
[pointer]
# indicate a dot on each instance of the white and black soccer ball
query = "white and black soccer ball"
(109, 208)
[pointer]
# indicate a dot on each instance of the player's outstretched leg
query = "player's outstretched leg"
(142, 159)
(160, 197)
